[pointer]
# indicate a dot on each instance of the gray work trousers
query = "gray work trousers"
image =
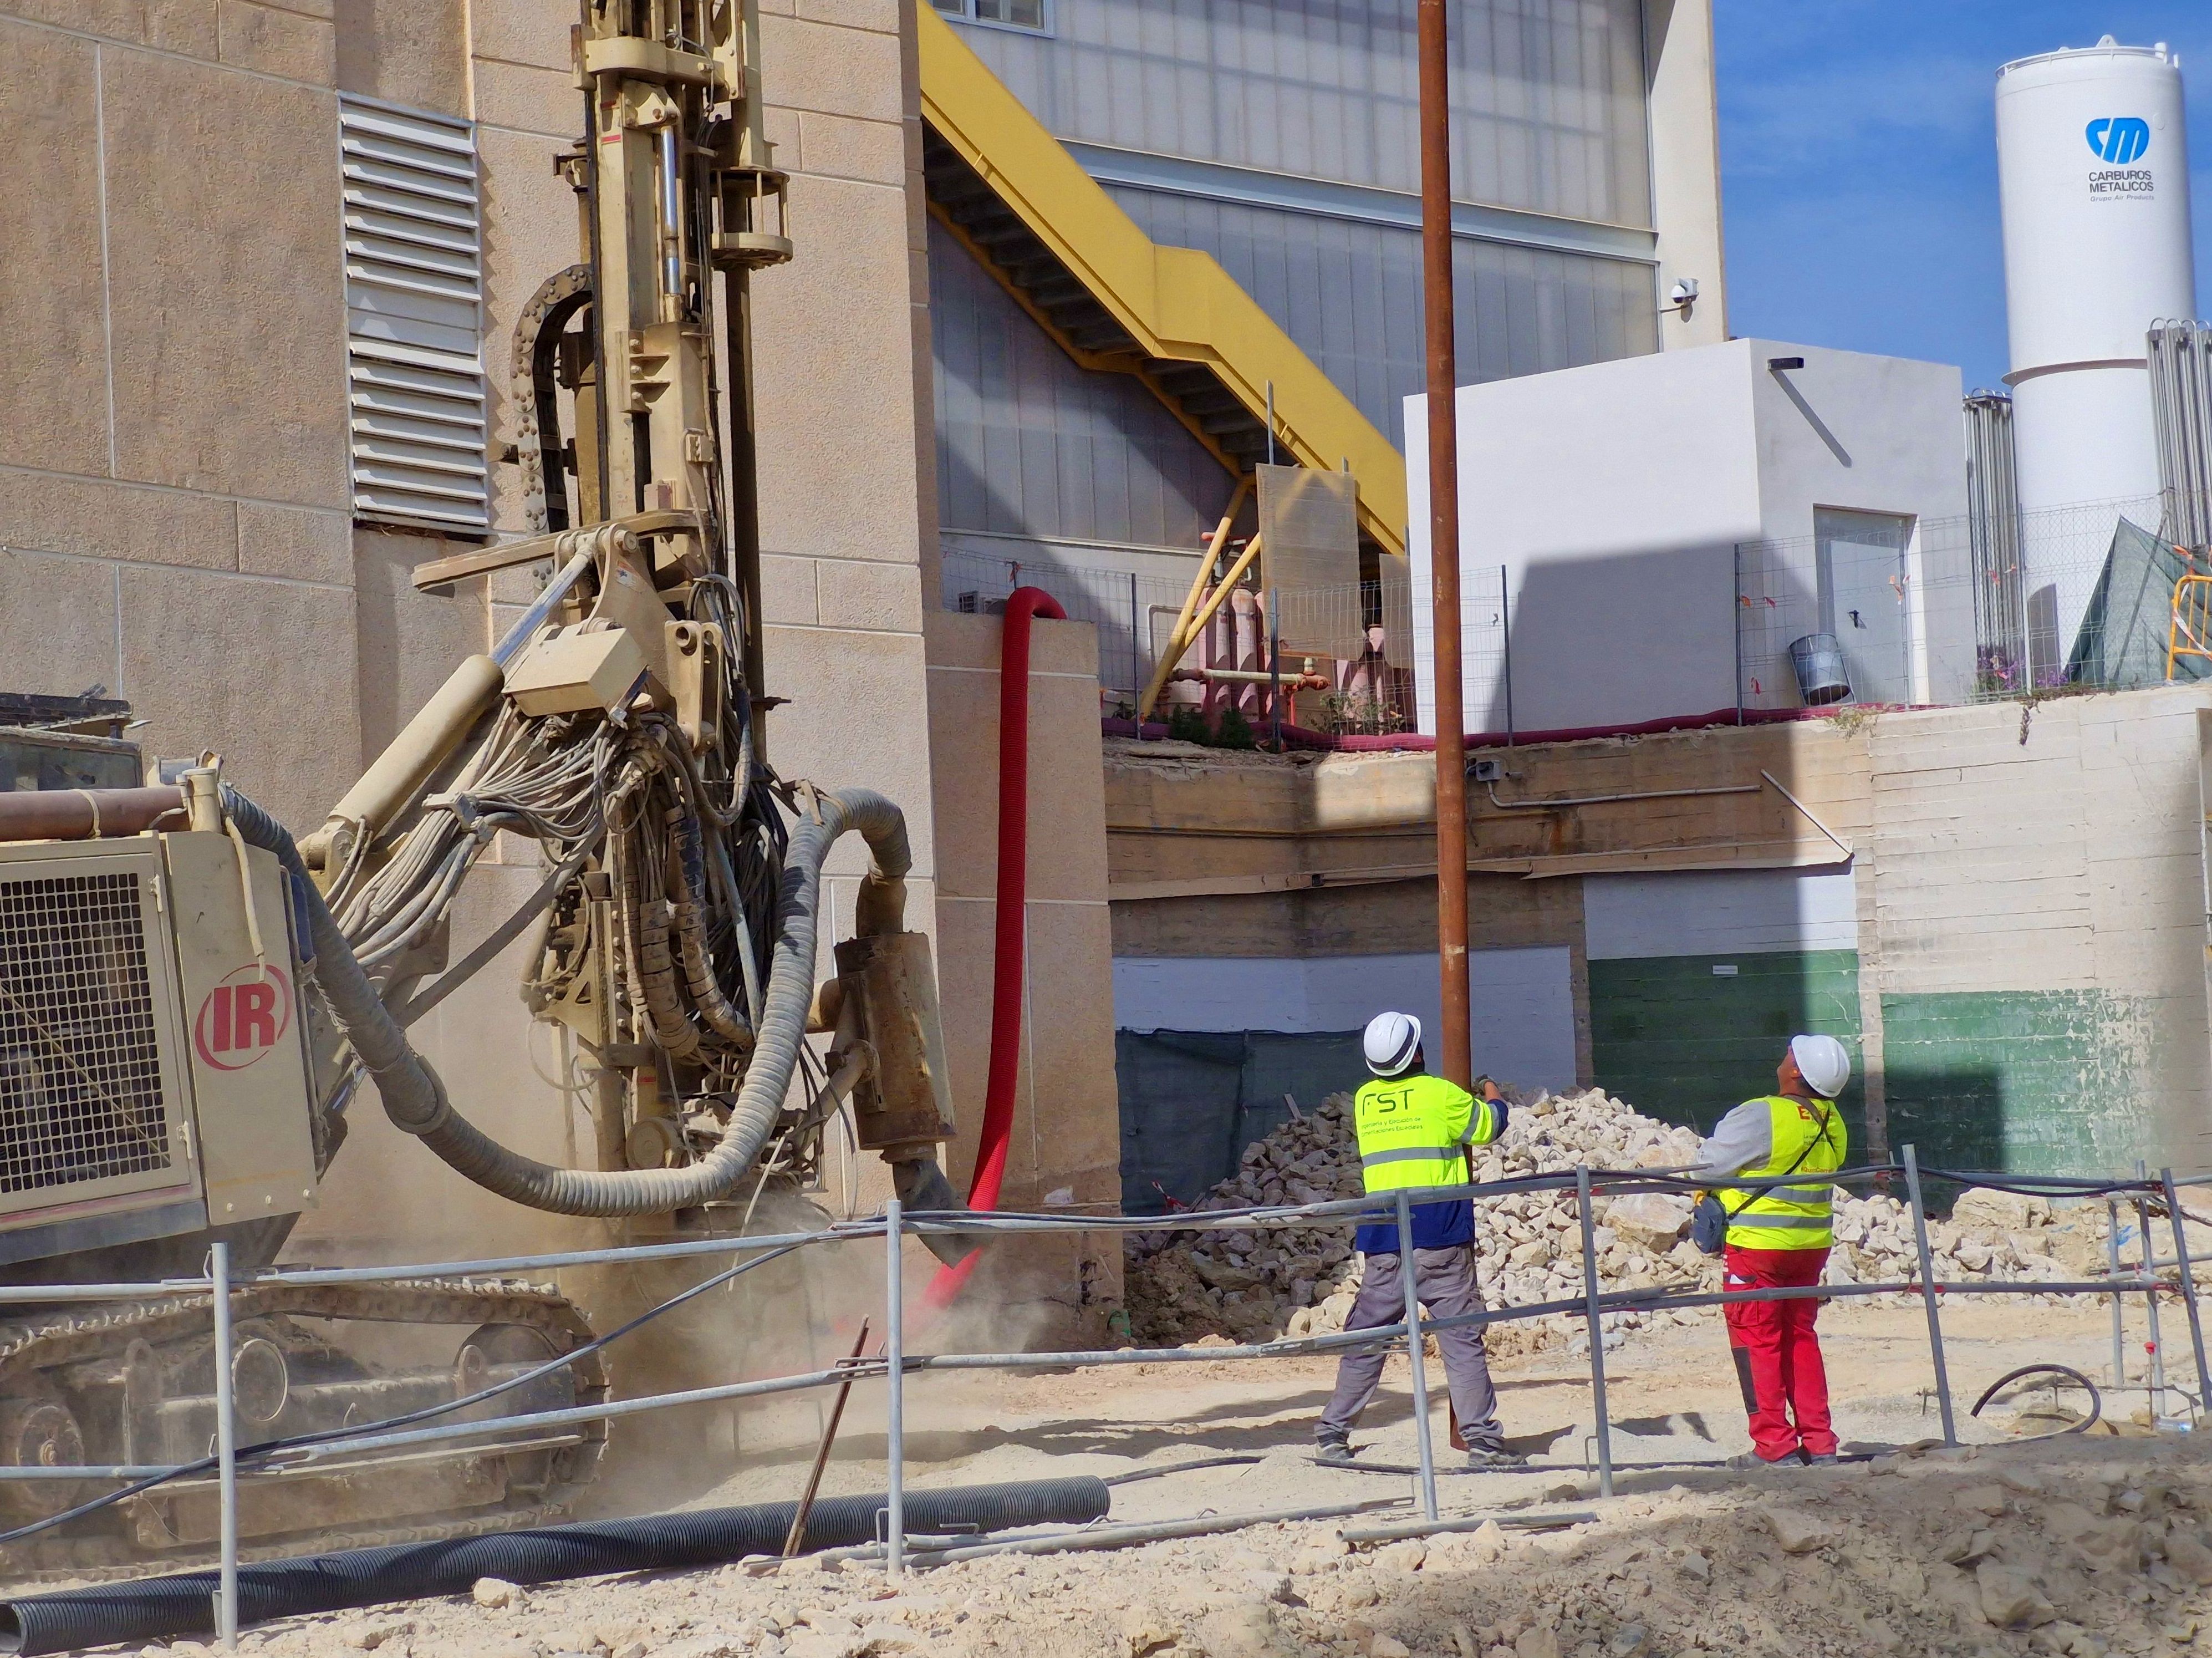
(1445, 1281)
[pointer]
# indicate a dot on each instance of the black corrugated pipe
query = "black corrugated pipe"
(161, 1608)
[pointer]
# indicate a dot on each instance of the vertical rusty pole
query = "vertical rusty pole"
(1443, 537)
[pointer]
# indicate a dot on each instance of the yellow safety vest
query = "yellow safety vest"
(1809, 1139)
(1411, 1130)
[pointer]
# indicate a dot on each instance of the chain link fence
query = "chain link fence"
(1343, 654)
(1890, 610)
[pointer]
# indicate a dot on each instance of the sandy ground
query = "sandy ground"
(2083, 1546)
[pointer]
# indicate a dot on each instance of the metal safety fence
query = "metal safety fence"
(1341, 658)
(273, 1460)
(1882, 609)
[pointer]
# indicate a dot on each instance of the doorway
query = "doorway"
(1865, 562)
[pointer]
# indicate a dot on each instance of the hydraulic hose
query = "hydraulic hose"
(415, 1100)
(182, 1605)
(1012, 906)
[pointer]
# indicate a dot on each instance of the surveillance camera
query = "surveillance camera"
(1683, 291)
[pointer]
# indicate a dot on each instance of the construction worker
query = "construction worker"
(1778, 1237)
(1413, 1133)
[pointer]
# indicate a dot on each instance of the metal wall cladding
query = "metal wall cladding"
(1548, 110)
(1349, 295)
(414, 273)
(1028, 443)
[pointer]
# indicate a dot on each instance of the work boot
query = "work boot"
(1821, 1459)
(1492, 1458)
(1753, 1459)
(1333, 1447)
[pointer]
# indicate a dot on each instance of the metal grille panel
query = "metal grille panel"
(81, 1095)
(414, 272)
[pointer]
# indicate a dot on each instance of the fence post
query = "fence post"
(1596, 1332)
(895, 1357)
(2119, 1324)
(1928, 1295)
(226, 1450)
(1736, 626)
(1137, 643)
(1505, 629)
(1428, 1456)
(2188, 1290)
(2151, 1297)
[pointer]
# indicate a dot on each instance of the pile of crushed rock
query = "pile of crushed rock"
(1264, 1284)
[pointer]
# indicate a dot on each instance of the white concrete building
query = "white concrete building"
(1644, 511)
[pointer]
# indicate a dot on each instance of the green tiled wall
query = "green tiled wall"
(2032, 1082)
(1679, 1042)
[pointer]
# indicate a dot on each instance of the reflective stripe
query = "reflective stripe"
(1757, 1219)
(1410, 1154)
(1803, 1194)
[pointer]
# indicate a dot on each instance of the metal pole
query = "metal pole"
(1505, 631)
(2150, 1299)
(1596, 1332)
(894, 1356)
(1271, 423)
(1137, 643)
(226, 1450)
(1928, 1295)
(1276, 663)
(2188, 1290)
(1434, 37)
(2119, 1321)
(1736, 627)
(1428, 1456)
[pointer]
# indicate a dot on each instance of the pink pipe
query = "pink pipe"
(1012, 901)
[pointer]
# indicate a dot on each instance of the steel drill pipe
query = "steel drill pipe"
(1433, 36)
(86, 814)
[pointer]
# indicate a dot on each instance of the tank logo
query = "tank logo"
(2118, 139)
(243, 1017)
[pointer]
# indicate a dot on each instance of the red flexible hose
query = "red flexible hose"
(1013, 902)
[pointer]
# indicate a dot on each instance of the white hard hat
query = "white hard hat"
(1392, 1040)
(1822, 1061)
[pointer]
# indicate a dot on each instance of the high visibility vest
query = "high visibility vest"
(1810, 1140)
(1411, 1130)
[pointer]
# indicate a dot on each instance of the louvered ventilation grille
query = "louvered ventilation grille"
(414, 268)
(80, 1064)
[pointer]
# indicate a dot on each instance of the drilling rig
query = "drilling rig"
(190, 1000)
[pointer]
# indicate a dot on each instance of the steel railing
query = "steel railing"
(1593, 1304)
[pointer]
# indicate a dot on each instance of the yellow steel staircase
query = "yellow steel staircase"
(1116, 301)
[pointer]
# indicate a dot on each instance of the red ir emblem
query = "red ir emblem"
(243, 1017)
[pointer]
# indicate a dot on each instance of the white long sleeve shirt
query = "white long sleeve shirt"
(1743, 1139)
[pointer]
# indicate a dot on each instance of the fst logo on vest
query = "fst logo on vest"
(243, 1017)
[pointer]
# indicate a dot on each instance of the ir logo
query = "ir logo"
(2119, 139)
(243, 1017)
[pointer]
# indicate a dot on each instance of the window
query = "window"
(414, 285)
(1027, 15)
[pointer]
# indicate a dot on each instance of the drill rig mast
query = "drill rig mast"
(185, 1025)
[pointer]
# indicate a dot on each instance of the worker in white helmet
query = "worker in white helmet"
(1778, 1237)
(1414, 1131)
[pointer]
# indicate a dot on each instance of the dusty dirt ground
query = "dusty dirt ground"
(2084, 1545)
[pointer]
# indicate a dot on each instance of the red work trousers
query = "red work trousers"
(1778, 1356)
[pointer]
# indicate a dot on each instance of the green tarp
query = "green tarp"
(1192, 1101)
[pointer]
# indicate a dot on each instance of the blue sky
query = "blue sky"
(1858, 162)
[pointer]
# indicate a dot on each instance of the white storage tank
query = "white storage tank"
(2092, 166)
